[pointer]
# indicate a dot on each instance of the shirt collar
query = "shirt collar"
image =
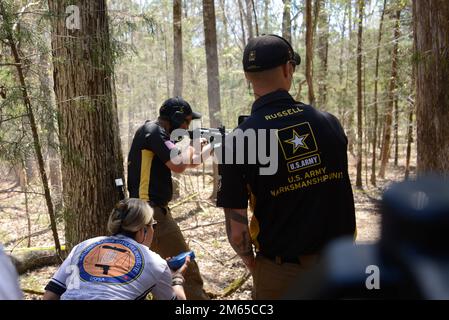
(269, 98)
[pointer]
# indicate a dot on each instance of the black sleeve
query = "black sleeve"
(158, 141)
(336, 127)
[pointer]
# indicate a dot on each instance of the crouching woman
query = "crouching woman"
(119, 267)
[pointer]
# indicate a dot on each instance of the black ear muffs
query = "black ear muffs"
(296, 57)
(177, 119)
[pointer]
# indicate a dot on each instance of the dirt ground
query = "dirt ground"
(201, 222)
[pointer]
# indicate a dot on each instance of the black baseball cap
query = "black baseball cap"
(172, 105)
(268, 52)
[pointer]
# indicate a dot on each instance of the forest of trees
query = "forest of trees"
(77, 78)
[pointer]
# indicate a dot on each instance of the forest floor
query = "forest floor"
(201, 222)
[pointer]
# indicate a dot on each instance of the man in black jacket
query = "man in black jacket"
(152, 158)
(308, 201)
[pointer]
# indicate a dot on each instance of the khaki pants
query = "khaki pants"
(272, 280)
(168, 241)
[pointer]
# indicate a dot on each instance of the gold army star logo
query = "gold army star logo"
(252, 56)
(298, 141)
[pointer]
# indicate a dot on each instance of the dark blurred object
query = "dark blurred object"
(242, 119)
(412, 257)
(9, 284)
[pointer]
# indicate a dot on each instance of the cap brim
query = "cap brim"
(196, 115)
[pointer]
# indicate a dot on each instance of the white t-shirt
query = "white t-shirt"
(9, 284)
(112, 268)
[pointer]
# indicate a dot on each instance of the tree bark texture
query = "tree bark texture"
(88, 124)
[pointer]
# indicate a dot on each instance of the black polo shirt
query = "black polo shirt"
(149, 178)
(309, 201)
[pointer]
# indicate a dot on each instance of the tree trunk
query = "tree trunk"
(225, 28)
(316, 13)
(54, 161)
(286, 21)
(386, 145)
(131, 125)
(92, 156)
(249, 18)
(256, 23)
(266, 17)
(350, 121)
(409, 138)
(361, 7)
(412, 104)
(432, 100)
(396, 131)
(341, 91)
(309, 51)
(213, 84)
(167, 79)
(242, 24)
(24, 189)
(177, 48)
(323, 54)
(376, 97)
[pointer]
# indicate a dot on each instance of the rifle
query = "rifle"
(212, 133)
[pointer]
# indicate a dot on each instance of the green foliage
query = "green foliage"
(142, 61)
(31, 32)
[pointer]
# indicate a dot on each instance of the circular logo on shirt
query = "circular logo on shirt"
(112, 261)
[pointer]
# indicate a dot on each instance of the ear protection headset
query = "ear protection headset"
(296, 57)
(178, 117)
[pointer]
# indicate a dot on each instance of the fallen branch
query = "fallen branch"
(23, 192)
(32, 249)
(205, 201)
(9, 64)
(212, 295)
(201, 207)
(34, 260)
(236, 284)
(203, 225)
(186, 199)
(207, 251)
(35, 234)
(12, 208)
(35, 292)
(30, 259)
